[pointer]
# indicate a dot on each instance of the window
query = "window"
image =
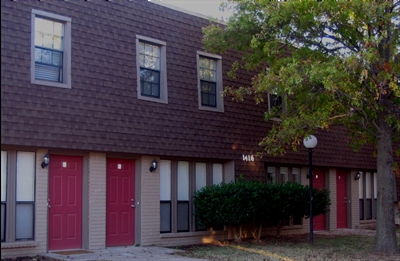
(51, 49)
(3, 193)
(178, 181)
(151, 69)
(183, 196)
(283, 174)
(165, 196)
(17, 195)
(210, 82)
(275, 102)
(367, 194)
(217, 174)
(276, 106)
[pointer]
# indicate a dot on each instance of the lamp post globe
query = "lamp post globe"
(310, 142)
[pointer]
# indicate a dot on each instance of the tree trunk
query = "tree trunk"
(385, 238)
(259, 231)
(279, 228)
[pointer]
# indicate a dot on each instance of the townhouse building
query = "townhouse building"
(112, 116)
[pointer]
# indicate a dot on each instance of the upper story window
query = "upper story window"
(51, 49)
(151, 69)
(150, 61)
(277, 105)
(274, 102)
(210, 82)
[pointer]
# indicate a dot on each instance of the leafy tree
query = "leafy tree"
(334, 62)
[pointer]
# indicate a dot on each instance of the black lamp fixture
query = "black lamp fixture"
(310, 142)
(46, 160)
(154, 164)
(357, 176)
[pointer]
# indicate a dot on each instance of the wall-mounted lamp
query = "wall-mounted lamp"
(154, 164)
(46, 160)
(357, 176)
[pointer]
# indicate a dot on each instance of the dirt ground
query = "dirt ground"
(300, 239)
(344, 231)
(364, 232)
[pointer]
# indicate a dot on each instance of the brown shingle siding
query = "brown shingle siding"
(101, 111)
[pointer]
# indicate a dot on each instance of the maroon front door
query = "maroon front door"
(120, 227)
(341, 199)
(65, 202)
(319, 182)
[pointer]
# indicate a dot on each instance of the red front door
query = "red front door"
(120, 226)
(319, 182)
(65, 202)
(341, 205)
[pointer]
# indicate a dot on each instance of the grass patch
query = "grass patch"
(289, 248)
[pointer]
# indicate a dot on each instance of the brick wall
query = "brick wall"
(332, 213)
(150, 205)
(354, 201)
(41, 203)
(97, 200)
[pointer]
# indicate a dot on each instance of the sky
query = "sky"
(205, 7)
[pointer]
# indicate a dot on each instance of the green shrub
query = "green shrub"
(321, 201)
(286, 201)
(228, 204)
(244, 202)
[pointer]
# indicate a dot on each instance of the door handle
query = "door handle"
(133, 205)
(48, 205)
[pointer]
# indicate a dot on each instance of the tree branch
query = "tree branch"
(339, 116)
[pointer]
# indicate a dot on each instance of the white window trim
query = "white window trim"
(219, 87)
(163, 71)
(67, 49)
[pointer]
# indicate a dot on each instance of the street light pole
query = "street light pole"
(310, 142)
(311, 195)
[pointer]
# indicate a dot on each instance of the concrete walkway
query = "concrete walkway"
(122, 253)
